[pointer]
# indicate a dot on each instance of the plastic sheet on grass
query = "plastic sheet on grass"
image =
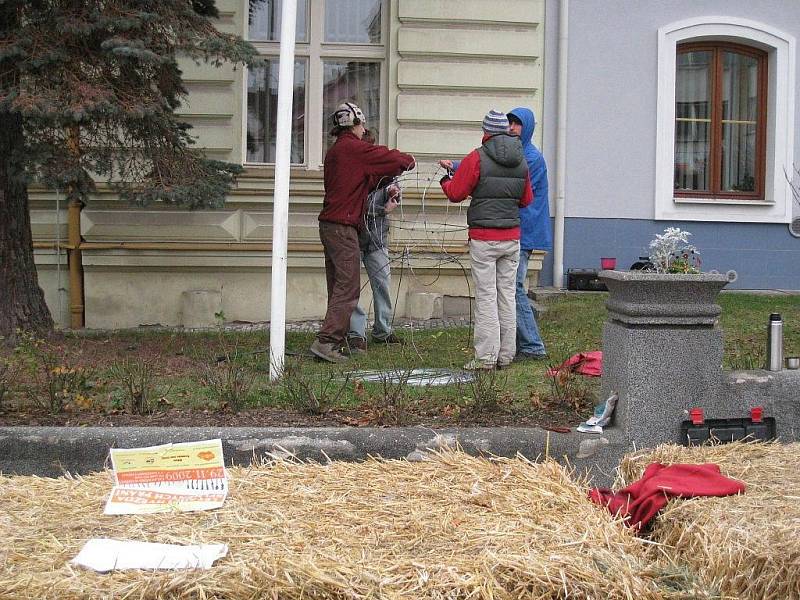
(415, 377)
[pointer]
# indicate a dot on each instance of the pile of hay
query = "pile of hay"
(453, 527)
(745, 546)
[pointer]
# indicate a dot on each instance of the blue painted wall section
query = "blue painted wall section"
(765, 256)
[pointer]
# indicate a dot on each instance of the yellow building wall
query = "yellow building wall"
(447, 61)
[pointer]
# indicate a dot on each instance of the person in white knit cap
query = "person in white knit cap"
(496, 177)
(352, 166)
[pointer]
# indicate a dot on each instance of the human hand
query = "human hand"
(393, 190)
(390, 205)
(446, 164)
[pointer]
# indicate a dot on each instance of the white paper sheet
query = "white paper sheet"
(104, 555)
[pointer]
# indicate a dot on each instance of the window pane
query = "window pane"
(262, 112)
(264, 20)
(353, 21)
(692, 120)
(738, 157)
(739, 120)
(352, 81)
(691, 156)
(739, 87)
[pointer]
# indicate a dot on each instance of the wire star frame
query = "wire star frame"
(430, 250)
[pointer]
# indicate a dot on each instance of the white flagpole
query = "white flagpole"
(280, 204)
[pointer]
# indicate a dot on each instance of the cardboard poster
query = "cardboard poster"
(181, 477)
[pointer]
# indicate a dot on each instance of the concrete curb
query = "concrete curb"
(52, 451)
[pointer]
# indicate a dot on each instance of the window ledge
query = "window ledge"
(257, 171)
(715, 201)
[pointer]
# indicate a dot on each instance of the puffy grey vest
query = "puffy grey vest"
(495, 200)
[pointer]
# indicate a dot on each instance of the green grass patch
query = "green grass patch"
(228, 370)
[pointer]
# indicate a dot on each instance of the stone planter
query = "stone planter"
(662, 350)
(640, 297)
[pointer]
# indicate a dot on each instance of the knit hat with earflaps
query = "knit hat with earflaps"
(495, 122)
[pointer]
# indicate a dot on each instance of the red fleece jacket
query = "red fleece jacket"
(585, 363)
(465, 180)
(641, 501)
(352, 168)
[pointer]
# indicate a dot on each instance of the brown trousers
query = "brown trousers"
(343, 276)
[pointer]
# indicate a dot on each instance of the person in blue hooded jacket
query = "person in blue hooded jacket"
(536, 233)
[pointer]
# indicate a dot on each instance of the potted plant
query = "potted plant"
(671, 252)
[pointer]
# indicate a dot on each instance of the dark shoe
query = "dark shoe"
(355, 345)
(392, 338)
(525, 356)
(327, 352)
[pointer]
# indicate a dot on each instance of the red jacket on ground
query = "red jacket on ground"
(353, 168)
(641, 501)
(464, 181)
(586, 363)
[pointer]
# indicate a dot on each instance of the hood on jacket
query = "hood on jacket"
(528, 123)
(504, 149)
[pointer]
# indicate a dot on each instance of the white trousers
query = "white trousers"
(494, 271)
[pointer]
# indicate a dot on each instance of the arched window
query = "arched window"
(720, 121)
(725, 121)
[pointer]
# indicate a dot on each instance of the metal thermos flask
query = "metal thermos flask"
(775, 343)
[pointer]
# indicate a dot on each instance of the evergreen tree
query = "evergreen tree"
(88, 88)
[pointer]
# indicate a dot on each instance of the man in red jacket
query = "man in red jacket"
(496, 177)
(353, 168)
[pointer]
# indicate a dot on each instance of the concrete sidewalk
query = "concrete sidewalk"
(52, 451)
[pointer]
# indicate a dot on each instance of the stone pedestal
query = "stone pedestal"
(662, 351)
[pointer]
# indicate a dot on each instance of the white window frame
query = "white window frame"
(776, 207)
(314, 51)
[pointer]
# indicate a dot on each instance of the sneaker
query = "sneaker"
(327, 352)
(392, 338)
(354, 345)
(523, 356)
(477, 365)
(503, 365)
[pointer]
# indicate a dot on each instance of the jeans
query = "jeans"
(528, 339)
(377, 265)
(343, 278)
(494, 265)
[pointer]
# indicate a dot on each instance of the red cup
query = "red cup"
(608, 264)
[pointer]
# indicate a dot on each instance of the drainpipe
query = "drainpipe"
(76, 316)
(561, 145)
(75, 265)
(280, 202)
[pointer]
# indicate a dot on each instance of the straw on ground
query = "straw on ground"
(746, 546)
(452, 527)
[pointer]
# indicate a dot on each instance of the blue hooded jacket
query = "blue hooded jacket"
(536, 233)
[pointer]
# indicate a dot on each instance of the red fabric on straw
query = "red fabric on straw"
(641, 501)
